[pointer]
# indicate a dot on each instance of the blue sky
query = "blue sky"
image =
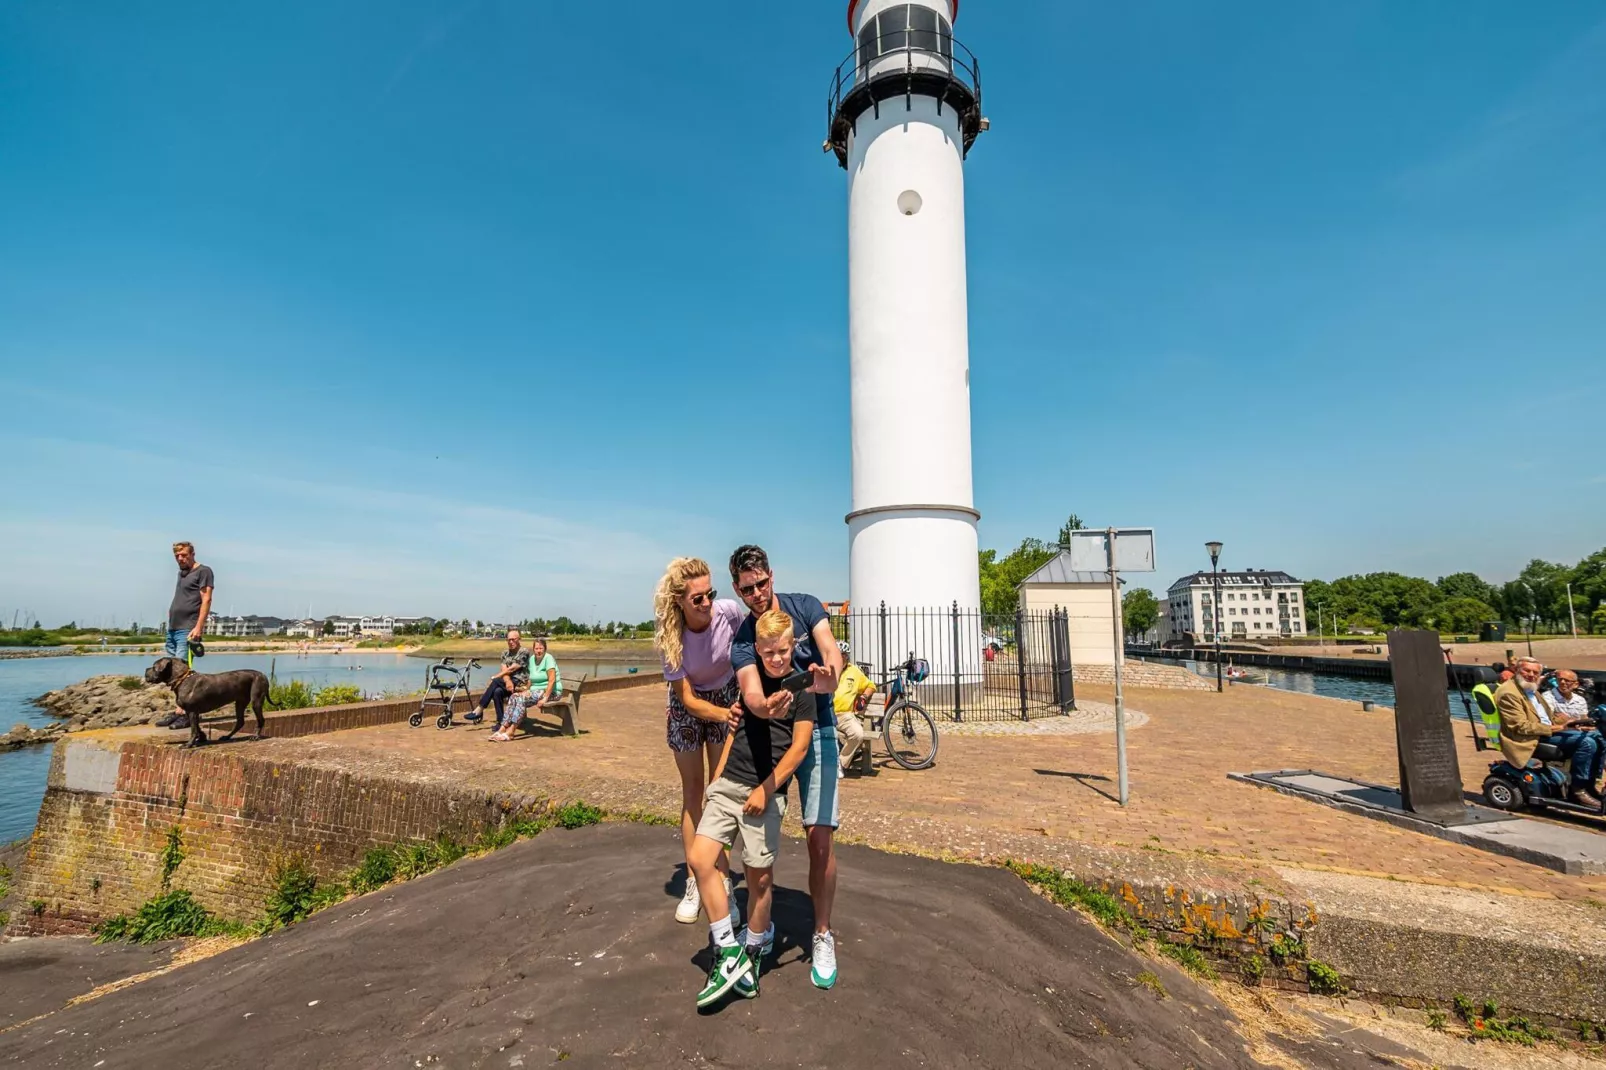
(473, 307)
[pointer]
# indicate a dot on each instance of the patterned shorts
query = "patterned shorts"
(688, 733)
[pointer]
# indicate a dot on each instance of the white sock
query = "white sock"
(722, 933)
(760, 939)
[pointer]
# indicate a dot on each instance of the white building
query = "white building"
(1085, 597)
(1254, 605)
(229, 627)
(304, 629)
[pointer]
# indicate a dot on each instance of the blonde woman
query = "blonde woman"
(693, 632)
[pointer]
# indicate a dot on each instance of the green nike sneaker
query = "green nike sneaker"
(731, 964)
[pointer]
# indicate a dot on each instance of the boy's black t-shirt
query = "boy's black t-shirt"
(760, 742)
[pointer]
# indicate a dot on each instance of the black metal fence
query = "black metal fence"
(984, 666)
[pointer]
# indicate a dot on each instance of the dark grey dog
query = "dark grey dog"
(199, 692)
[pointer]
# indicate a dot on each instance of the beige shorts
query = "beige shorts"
(722, 816)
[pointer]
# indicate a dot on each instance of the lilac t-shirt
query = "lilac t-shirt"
(706, 659)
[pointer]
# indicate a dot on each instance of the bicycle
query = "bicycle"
(907, 731)
(448, 683)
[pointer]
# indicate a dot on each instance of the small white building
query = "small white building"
(1085, 596)
(304, 629)
(230, 627)
(1255, 604)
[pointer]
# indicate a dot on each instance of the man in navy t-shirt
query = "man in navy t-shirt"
(816, 651)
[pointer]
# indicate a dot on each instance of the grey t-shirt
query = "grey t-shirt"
(186, 607)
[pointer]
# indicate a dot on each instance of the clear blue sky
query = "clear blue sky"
(463, 307)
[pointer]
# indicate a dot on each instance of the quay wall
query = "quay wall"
(111, 801)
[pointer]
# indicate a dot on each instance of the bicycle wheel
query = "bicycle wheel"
(910, 735)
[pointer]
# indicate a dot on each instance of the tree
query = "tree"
(1548, 583)
(1072, 523)
(1588, 578)
(328, 628)
(1463, 615)
(1139, 611)
(1465, 585)
(1001, 580)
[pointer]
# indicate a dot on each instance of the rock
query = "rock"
(103, 702)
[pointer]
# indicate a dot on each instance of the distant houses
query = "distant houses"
(339, 626)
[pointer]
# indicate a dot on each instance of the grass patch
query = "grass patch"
(1485, 1023)
(1323, 979)
(165, 917)
(1108, 912)
(298, 892)
(578, 815)
(131, 683)
(1149, 980)
(291, 695)
(337, 695)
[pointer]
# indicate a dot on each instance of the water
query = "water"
(1328, 685)
(22, 772)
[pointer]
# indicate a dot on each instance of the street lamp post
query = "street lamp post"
(1533, 611)
(1215, 609)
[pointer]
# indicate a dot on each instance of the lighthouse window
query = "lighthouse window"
(922, 28)
(902, 27)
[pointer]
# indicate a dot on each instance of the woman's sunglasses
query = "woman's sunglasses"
(705, 599)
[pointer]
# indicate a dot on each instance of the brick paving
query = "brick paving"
(1048, 796)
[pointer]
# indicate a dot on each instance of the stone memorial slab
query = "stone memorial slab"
(1430, 770)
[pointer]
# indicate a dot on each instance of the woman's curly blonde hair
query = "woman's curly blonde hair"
(669, 629)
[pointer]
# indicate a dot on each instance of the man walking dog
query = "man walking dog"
(186, 616)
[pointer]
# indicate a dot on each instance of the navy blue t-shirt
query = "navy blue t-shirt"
(805, 611)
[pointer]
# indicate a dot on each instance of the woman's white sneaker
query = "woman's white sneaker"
(691, 904)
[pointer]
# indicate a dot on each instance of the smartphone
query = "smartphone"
(798, 681)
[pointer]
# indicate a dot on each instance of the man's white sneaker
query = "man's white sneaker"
(745, 938)
(823, 973)
(691, 904)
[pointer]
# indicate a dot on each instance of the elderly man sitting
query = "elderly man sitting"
(1525, 720)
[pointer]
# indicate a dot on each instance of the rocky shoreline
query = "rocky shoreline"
(98, 702)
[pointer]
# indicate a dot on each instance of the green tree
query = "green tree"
(328, 628)
(1001, 579)
(1465, 585)
(1548, 583)
(1072, 523)
(1463, 615)
(1588, 578)
(1139, 611)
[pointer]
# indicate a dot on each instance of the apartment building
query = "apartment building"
(1255, 604)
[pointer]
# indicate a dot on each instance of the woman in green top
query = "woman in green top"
(546, 684)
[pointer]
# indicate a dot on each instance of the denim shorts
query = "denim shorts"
(817, 775)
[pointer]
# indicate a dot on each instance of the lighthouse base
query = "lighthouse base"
(919, 562)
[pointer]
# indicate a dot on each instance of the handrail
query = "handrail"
(961, 63)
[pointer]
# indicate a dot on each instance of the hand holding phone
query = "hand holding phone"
(798, 681)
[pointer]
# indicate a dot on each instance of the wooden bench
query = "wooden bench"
(566, 706)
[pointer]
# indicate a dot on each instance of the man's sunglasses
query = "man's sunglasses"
(753, 588)
(705, 599)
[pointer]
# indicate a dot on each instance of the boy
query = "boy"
(761, 755)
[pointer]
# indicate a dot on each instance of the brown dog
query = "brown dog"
(199, 692)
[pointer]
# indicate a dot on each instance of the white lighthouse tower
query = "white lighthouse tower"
(905, 109)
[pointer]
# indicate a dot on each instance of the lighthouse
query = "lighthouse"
(904, 110)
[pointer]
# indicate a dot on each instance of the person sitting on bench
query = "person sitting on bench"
(514, 677)
(546, 685)
(1525, 722)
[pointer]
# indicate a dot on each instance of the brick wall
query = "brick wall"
(97, 852)
(109, 804)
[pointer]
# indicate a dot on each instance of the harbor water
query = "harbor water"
(374, 673)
